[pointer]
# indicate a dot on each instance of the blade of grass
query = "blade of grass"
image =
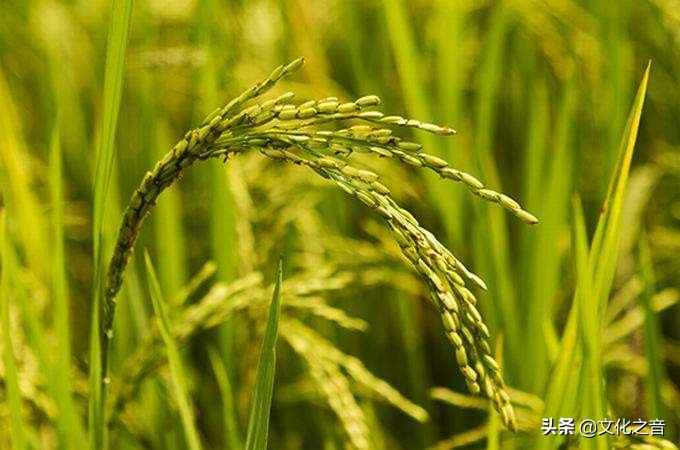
(595, 284)
(536, 146)
(231, 431)
(96, 421)
(592, 373)
(354, 43)
(16, 422)
(174, 361)
(534, 176)
(614, 20)
(258, 424)
(119, 28)
(167, 220)
(121, 14)
(602, 266)
(605, 242)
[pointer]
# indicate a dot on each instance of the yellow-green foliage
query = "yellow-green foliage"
(360, 185)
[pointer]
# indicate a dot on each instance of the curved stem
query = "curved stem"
(188, 150)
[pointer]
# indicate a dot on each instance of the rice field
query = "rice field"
(339, 225)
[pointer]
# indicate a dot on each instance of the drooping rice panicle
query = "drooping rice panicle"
(317, 307)
(441, 271)
(306, 338)
(335, 388)
(283, 131)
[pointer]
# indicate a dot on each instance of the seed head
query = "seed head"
(369, 100)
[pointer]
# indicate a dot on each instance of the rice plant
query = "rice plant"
(140, 305)
(277, 129)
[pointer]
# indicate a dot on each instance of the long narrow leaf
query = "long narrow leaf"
(602, 265)
(258, 424)
(174, 360)
(113, 88)
(605, 246)
(231, 431)
(593, 288)
(592, 395)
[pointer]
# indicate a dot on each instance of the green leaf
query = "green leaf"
(258, 424)
(174, 360)
(602, 266)
(232, 436)
(119, 28)
(604, 249)
(579, 364)
(592, 395)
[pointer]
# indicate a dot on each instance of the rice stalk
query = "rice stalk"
(549, 191)
(490, 232)
(223, 215)
(409, 68)
(279, 130)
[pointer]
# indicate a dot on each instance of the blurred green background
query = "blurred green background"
(538, 91)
